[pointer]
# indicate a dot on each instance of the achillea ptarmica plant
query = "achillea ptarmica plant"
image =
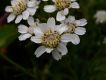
(75, 28)
(100, 16)
(62, 6)
(51, 37)
(27, 31)
(21, 9)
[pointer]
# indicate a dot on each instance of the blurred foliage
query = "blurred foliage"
(7, 35)
(86, 61)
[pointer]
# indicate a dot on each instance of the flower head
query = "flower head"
(74, 28)
(52, 39)
(21, 9)
(100, 16)
(62, 6)
(27, 32)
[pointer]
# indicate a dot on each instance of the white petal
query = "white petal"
(8, 9)
(64, 43)
(22, 29)
(38, 31)
(39, 51)
(53, 0)
(72, 0)
(75, 39)
(75, 5)
(18, 19)
(49, 8)
(13, 2)
(81, 22)
(71, 19)
(51, 23)
(30, 21)
(60, 16)
(62, 49)
(66, 11)
(36, 39)
(66, 38)
(49, 50)
(56, 55)
(24, 36)
(80, 30)
(10, 18)
(25, 15)
(31, 11)
(31, 3)
(61, 28)
(71, 38)
(44, 0)
(44, 27)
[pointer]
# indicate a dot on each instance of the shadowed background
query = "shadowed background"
(86, 61)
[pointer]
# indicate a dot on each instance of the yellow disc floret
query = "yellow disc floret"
(71, 28)
(51, 39)
(62, 4)
(19, 7)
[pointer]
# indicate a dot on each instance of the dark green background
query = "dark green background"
(86, 61)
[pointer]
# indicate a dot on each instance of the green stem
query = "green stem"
(46, 70)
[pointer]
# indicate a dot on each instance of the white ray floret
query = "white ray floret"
(51, 38)
(62, 6)
(21, 9)
(27, 32)
(100, 16)
(75, 28)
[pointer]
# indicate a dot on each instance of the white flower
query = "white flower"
(27, 32)
(63, 7)
(44, 0)
(74, 27)
(21, 9)
(100, 16)
(51, 38)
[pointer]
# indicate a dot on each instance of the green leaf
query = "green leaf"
(8, 33)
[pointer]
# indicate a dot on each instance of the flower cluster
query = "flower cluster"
(52, 37)
(100, 16)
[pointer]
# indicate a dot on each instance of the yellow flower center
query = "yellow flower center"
(62, 4)
(19, 7)
(71, 28)
(51, 39)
